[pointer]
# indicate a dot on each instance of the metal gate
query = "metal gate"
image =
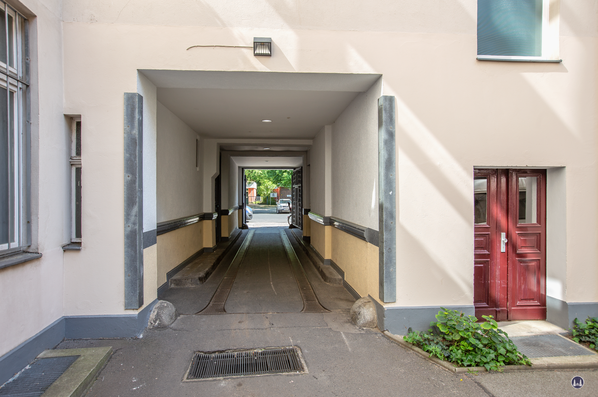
(297, 199)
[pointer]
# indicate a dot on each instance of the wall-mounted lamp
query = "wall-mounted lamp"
(262, 46)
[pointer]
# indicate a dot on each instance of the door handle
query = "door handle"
(503, 242)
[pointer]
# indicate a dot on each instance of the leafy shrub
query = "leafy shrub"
(586, 332)
(459, 339)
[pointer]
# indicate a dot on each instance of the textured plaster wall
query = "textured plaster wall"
(229, 223)
(355, 183)
(209, 234)
(233, 184)
(230, 181)
(33, 293)
(150, 274)
(320, 157)
(556, 262)
(211, 169)
(453, 114)
(176, 246)
(359, 261)
(179, 180)
(549, 122)
(150, 109)
(233, 222)
(320, 239)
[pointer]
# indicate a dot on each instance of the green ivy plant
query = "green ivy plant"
(460, 339)
(586, 332)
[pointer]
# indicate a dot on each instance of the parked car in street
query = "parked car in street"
(283, 205)
(248, 213)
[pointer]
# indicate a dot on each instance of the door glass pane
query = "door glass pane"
(528, 199)
(481, 201)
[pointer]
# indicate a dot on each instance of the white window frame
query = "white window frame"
(15, 82)
(14, 145)
(550, 38)
(75, 162)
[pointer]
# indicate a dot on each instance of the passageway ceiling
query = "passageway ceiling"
(225, 105)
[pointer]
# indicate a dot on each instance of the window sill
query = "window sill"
(74, 246)
(18, 258)
(517, 59)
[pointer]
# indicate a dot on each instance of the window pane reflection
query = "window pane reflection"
(528, 199)
(481, 201)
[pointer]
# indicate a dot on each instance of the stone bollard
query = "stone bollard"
(363, 313)
(163, 314)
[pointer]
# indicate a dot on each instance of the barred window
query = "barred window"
(14, 131)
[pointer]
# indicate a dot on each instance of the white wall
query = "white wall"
(32, 293)
(556, 240)
(233, 184)
(453, 113)
(320, 157)
(211, 158)
(150, 109)
(180, 187)
(355, 160)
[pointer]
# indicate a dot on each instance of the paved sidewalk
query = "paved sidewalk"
(342, 360)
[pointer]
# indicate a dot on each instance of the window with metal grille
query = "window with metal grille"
(14, 131)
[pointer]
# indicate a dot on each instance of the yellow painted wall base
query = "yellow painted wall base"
(176, 246)
(150, 275)
(223, 225)
(320, 239)
(233, 220)
(306, 226)
(228, 224)
(209, 233)
(358, 259)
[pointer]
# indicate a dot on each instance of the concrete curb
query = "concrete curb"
(565, 362)
(199, 270)
(79, 377)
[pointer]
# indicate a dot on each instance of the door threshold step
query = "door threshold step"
(199, 270)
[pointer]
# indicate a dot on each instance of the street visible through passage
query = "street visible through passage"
(266, 216)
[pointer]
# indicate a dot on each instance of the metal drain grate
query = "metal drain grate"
(246, 362)
(37, 377)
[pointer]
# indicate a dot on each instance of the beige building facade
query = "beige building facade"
(131, 122)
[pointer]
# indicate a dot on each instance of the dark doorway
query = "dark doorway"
(218, 206)
(297, 198)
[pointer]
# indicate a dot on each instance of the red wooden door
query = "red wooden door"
(509, 244)
(527, 245)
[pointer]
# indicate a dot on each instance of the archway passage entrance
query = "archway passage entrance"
(510, 244)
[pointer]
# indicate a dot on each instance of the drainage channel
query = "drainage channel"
(310, 301)
(232, 363)
(216, 305)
